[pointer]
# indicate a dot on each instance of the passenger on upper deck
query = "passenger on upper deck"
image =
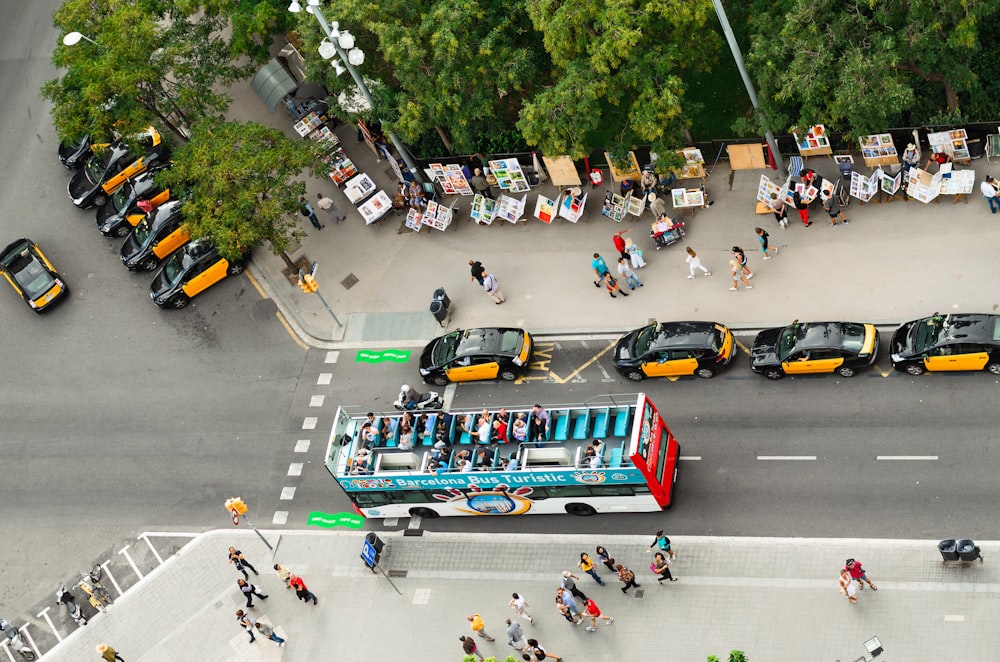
(483, 429)
(520, 431)
(362, 461)
(405, 437)
(499, 433)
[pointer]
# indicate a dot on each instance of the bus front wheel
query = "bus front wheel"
(424, 513)
(580, 509)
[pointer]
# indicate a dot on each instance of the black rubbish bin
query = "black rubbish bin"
(968, 550)
(948, 549)
(442, 296)
(439, 312)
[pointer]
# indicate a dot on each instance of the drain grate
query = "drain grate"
(349, 282)
(397, 573)
(639, 592)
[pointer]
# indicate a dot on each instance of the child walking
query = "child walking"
(762, 237)
(695, 263)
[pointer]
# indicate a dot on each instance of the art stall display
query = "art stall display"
(694, 164)
(308, 124)
(413, 218)
(922, 185)
(569, 208)
(325, 137)
(864, 188)
(632, 172)
(954, 143)
(359, 188)
(636, 205)
(766, 187)
(878, 150)
(436, 216)
(545, 209)
(375, 207)
(807, 193)
(509, 175)
(451, 179)
(814, 143)
(484, 209)
(340, 167)
(687, 197)
(510, 209)
(562, 171)
(614, 206)
(891, 183)
(958, 182)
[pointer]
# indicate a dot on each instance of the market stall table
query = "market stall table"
(375, 208)
(359, 188)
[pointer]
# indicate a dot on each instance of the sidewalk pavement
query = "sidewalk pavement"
(896, 261)
(775, 599)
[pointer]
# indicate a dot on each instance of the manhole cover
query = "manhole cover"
(349, 282)
(639, 592)
(397, 573)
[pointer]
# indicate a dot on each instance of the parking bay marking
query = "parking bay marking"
(545, 350)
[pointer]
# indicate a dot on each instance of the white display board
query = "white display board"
(359, 188)
(451, 179)
(545, 209)
(509, 175)
(436, 216)
(484, 210)
(864, 188)
(375, 207)
(572, 211)
(510, 209)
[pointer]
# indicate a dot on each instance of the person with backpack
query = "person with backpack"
(662, 542)
(306, 210)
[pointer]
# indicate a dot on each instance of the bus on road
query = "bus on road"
(434, 468)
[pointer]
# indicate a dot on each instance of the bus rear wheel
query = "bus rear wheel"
(580, 509)
(423, 513)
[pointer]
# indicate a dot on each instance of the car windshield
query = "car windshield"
(34, 279)
(142, 231)
(925, 333)
(173, 268)
(98, 164)
(509, 342)
(445, 348)
(643, 340)
(852, 337)
(121, 196)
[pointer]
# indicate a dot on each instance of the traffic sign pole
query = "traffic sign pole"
(238, 509)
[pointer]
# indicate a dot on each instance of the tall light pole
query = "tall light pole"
(313, 8)
(73, 38)
(751, 91)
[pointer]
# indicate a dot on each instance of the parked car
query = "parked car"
(130, 204)
(947, 343)
(32, 276)
(666, 349)
(189, 271)
(814, 347)
(73, 154)
(155, 237)
(108, 168)
(471, 354)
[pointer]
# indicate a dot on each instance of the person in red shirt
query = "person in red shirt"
(858, 574)
(619, 241)
(301, 592)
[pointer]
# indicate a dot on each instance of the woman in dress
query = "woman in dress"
(634, 254)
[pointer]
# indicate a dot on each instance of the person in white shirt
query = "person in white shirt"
(989, 190)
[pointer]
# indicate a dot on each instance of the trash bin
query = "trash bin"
(968, 550)
(948, 549)
(439, 312)
(442, 296)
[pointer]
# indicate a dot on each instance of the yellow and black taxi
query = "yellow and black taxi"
(74, 153)
(668, 349)
(189, 271)
(110, 165)
(471, 354)
(129, 205)
(31, 275)
(804, 348)
(946, 343)
(155, 237)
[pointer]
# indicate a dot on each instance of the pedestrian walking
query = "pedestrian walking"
(492, 287)
(604, 556)
(306, 210)
(737, 271)
(246, 621)
(662, 543)
(520, 607)
(619, 242)
(569, 583)
(301, 592)
(626, 577)
(612, 286)
(600, 268)
(283, 574)
(803, 208)
(587, 565)
(326, 204)
(565, 610)
(236, 558)
(470, 647)
(478, 626)
(515, 636)
(541, 653)
(477, 271)
(989, 189)
(625, 271)
(661, 567)
(762, 237)
(108, 653)
(479, 184)
(832, 208)
(780, 210)
(634, 254)
(694, 262)
(268, 631)
(847, 587)
(741, 256)
(595, 613)
(567, 599)
(249, 590)
(858, 574)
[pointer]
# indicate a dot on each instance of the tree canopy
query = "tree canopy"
(238, 183)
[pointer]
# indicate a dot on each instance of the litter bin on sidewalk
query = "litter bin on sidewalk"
(968, 550)
(948, 549)
(440, 306)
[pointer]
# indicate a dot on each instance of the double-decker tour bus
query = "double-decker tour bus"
(600, 457)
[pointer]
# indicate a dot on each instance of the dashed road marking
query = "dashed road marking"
(324, 379)
(309, 422)
(953, 618)
(421, 596)
(317, 400)
(287, 493)
(906, 457)
(295, 469)
(332, 356)
(302, 446)
(280, 517)
(769, 458)
(689, 457)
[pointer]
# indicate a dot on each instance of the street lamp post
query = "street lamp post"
(74, 38)
(313, 8)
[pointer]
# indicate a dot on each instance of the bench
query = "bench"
(601, 417)
(616, 457)
(428, 432)
(560, 420)
(396, 461)
(581, 423)
(547, 457)
(621, 422)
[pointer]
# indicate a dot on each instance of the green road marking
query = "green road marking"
(328, 520)
(397, 355)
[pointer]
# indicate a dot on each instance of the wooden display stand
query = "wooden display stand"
(746, 156)
(562, 171)
(619, 175)
(878, 150)
(953, 143)
(694, 164)
(815, 142)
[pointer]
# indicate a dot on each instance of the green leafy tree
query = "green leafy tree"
(238, 183)
(621, 62)
(154, 62)
(857, 67)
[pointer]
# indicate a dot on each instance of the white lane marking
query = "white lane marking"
(953, 618)
(145, 539)
(295, 469)
(689, 457)
(414, 522)
(332, 356)
(309, 423)
(324, 379)
(302, 446)
(449, 395)
(317, 400)
(124, 552)
(45, 614)
(280, 517)
(906, 457)
(287, 493)
(786, 457)
(111, 578)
